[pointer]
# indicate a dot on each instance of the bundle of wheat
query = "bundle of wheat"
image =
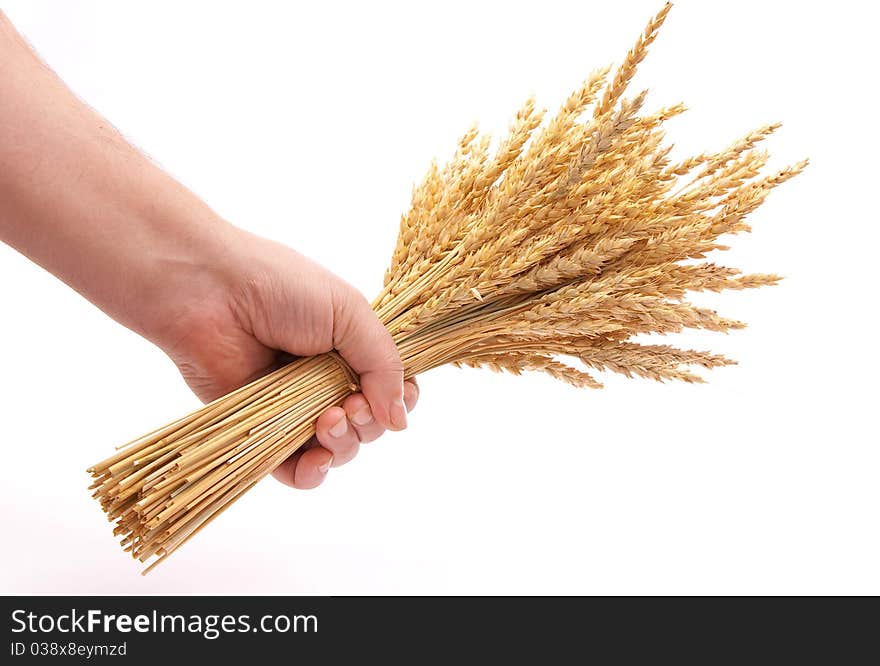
(570, 238)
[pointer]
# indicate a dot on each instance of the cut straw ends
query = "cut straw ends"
(572, 237)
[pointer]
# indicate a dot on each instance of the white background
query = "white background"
(309, 123)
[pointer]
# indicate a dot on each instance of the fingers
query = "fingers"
(366, 345)
(410, 394)
(339, 432)
(336, 434)
(361, 419)
(306, 468)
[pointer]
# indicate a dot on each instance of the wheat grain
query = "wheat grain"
(565, 243)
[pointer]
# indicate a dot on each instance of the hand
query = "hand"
(268, 302)
(225, 305)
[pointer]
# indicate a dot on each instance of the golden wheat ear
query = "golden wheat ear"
(577, 234)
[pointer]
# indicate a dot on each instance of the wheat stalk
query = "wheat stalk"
(569, 239)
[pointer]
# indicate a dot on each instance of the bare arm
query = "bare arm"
(79, 200)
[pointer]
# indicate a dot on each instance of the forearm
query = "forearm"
(80, 201)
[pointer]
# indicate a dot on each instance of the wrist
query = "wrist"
(185, 276)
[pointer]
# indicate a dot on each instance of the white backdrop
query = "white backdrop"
(309, 123)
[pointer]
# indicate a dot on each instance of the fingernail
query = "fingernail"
(338, 430)
(398, 414)
(363, 416)
(326, 466)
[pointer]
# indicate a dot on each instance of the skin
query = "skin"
(225, 305)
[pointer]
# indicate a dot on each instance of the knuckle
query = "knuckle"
(367, 435)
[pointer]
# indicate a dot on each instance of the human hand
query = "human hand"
(246, 314)
(225, 305)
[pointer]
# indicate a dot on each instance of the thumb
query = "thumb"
(367, 346)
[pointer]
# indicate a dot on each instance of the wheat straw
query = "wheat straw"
(564, 243)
